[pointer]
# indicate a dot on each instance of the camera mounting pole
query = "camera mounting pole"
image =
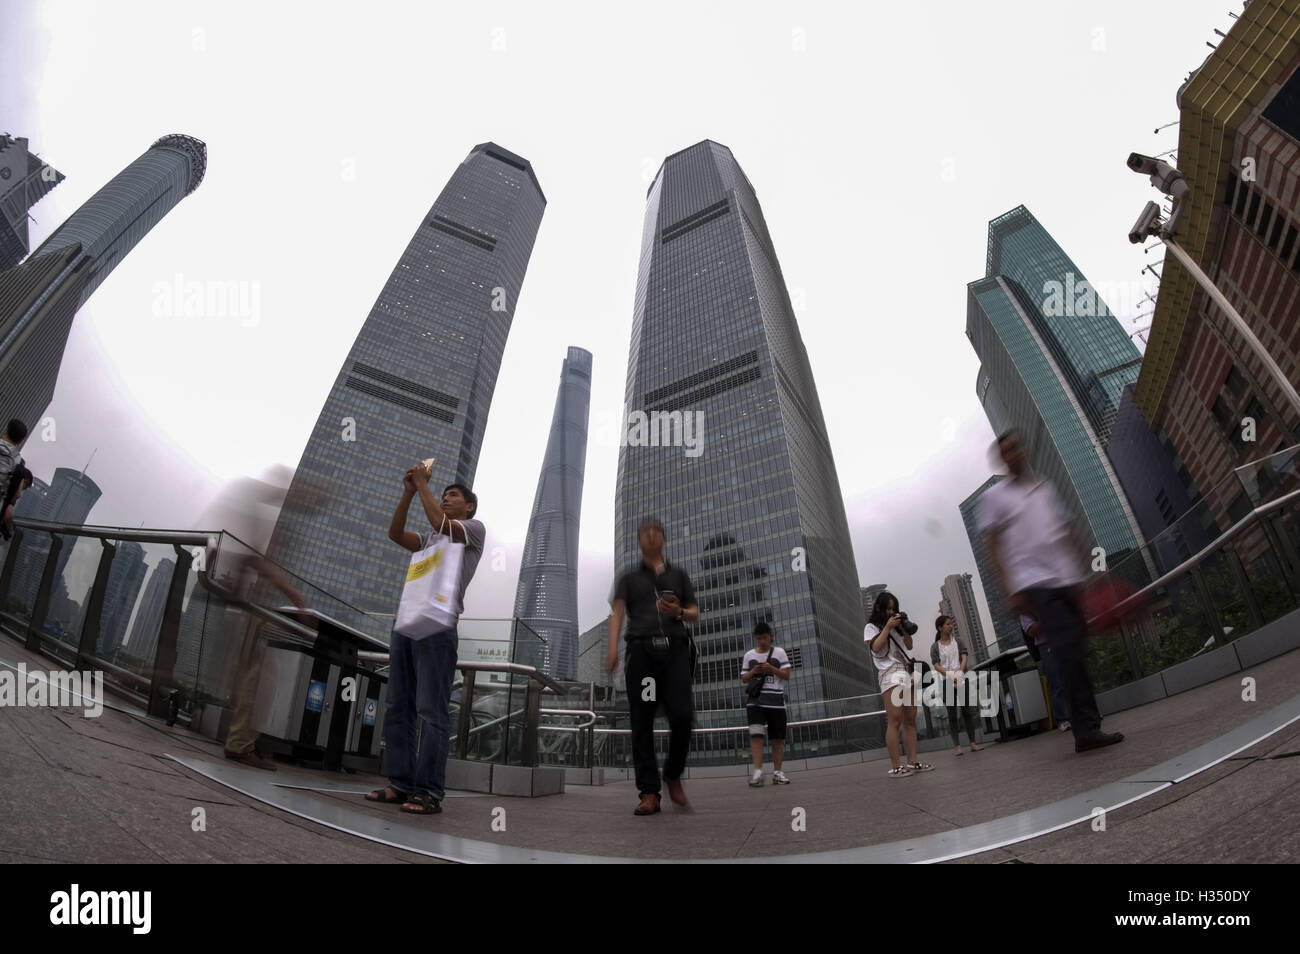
(1171, 182)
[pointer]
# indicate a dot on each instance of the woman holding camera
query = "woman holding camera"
(889, 634)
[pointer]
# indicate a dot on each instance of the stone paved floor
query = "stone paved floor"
(102, 790)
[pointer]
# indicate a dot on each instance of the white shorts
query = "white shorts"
(900, 678)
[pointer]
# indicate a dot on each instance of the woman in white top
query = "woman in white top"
(948, 656)
(889, 643)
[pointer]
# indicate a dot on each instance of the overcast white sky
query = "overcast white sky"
(881, 138)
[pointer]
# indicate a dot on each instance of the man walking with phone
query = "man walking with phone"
(658, 600)
(765, 671)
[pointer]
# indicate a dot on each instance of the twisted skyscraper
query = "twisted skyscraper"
(547, 596)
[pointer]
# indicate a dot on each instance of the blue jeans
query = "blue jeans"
(420, 675)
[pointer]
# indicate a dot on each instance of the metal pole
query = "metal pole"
(1288, 389)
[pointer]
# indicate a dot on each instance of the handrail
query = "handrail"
(1197, 558)
(517, 668)
(740, 728)
(188, 537)
(575, 712)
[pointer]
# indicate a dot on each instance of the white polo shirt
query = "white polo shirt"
(1036, 546)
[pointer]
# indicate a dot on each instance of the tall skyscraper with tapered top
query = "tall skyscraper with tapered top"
(417, 383)
(546, 599)
(40, 298)
(726, 444)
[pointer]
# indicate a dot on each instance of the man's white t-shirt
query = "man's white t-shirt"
(1035, 541)
(773, 694)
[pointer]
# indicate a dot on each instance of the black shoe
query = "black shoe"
(253, 758)
(1098, 740)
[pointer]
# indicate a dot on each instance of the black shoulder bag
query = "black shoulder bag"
(754, 688)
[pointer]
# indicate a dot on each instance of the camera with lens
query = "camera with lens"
(906, 625)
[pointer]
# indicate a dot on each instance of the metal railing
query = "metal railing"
(154, 611)
(1214, 585)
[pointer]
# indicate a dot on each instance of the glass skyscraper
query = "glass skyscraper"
(1006, 625)
(143, 641)
(1056, 361)
(69, 499)
(547, 596)
(726, 443)
(40, 298)
(957, 600)
(125, 577)
(24, 180)
(417, 383)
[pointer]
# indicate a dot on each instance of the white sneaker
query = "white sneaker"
(756, 780)
(778, 778)
(1065, 726)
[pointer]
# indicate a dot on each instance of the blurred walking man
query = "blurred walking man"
(1037, 555)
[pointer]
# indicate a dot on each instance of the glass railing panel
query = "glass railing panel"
(1266, 577)
(1107, 656)
(132, 614)
(489, 718)
(74, 577)
(29, 564)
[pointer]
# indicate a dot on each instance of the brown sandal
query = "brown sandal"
(381, 795)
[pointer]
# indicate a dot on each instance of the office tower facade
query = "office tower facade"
(24, 181)
(38, 306)
(1239, 153)
(726, 443)
(1006, 624)
(33, 499)
(957, 599)
(1056, 361)
(143, 642)
(125, 577)
(593, 645)
(546, 598)
(1159, 488)
(869, 594)
(197, 639)
(70, 498)
(417, 383)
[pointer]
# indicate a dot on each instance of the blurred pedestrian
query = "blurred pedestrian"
(1037, 555)
(1041, 654)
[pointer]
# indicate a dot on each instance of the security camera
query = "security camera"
(1148, 223)
(1163, 176)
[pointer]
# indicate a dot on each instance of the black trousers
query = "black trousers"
(953, 712)
(671, 685)
(1065, 630)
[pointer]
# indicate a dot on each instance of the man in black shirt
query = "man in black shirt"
(657, 599)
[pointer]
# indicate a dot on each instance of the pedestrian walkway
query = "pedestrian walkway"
(1202, 776)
